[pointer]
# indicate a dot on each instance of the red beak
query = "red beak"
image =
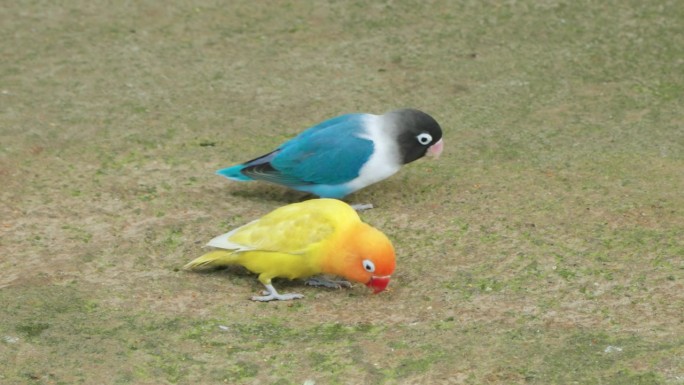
(378, 284)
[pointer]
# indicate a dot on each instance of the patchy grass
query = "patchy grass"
(544, 247)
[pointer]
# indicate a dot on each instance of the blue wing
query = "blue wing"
(350, 121)
(328, 153)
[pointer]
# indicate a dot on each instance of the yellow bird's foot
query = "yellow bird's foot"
(362, 206)
(318, 281)
(271, 294)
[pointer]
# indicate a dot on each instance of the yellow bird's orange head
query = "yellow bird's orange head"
(364, 255)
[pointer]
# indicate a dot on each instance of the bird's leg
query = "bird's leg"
(362, 206)
(271, 294)
(334, 284)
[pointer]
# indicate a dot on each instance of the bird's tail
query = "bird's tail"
(212, 259)
(234, 173)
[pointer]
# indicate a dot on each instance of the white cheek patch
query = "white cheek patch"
(385, 159)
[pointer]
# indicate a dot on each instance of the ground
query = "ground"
(545, 246)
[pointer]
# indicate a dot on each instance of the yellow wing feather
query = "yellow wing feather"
(294, 228)
(288, 242)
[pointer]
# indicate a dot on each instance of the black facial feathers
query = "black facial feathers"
(416, 132)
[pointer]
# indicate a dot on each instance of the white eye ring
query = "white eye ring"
(368, 265)
(424, 138)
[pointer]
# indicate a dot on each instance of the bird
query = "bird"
(306, 239)
(347, 153)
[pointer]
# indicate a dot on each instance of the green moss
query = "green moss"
(238, 371)
(636, 378)
(32, 329)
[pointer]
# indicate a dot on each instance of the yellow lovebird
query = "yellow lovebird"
(301, 240)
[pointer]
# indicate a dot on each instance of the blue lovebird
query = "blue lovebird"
(344, 154)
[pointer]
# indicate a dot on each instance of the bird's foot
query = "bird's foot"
(277, 297)
(270, 294)
(328, 283)
(362, 206)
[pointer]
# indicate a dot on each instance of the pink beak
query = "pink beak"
(436, 149)
(378, 284)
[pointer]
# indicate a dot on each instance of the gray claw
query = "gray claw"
(270, 294)
(328, 283)
(362, 206)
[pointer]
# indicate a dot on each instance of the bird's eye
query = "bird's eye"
(424, 138)
(368, 265)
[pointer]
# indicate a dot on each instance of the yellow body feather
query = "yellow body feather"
(294, 241)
